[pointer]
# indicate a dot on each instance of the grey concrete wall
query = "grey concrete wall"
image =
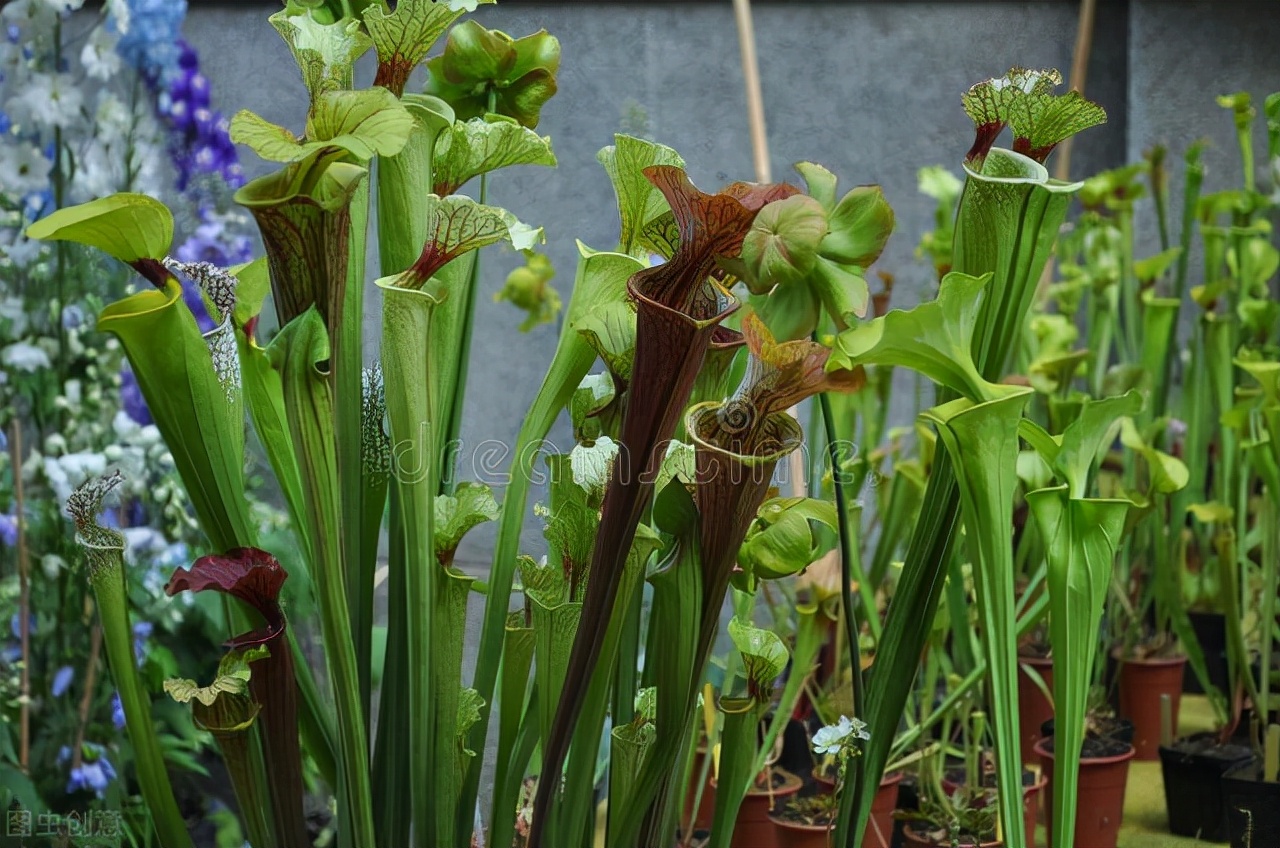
(871, 90)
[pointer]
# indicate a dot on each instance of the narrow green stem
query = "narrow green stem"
(850, 566)
(117, 636)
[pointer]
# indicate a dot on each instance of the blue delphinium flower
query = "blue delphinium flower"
(73, 316)
(62, 681)
(117, 711)
(141, 633)
(94, 772)
(9, 529)
(201, 144)
(213, 243)
(150, 44)
(15, 625)
(131, 400)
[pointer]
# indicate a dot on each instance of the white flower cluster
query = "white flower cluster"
(840, 737)
(107, 132)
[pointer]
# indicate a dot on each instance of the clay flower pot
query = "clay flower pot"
(701, 818)
(790, 834)
(1034, 708)
(879, 833)
(754, 828)
(1142, 683)
(1099, 796)
(1031, 792)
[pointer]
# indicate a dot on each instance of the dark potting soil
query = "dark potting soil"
(1096, 747)
(956, 776)
(1206, 745)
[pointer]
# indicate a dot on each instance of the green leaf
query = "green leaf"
(364, 123)
(367, 123)
(129, 227)
(1154, 267)
(763, 655)
(457, 225)
(934, 338)
(1086, 436)
(271, 142)
(482, 145)
(820, 182)
(251, 291)
(200, 420)
(842, 290)
(1081, 537)
(783, 540)
(610, 330)
(639, 202)
(470, 505)
(232, 678)
(860, 225)
(1167, 473)
(782, 244)
(325, 52)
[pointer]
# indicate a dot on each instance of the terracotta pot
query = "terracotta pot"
(1034, 709)
(1142, 683)
(796, 835)
(1099, 797)
(879, 832)
(1031, 793)
(702, 820)
(754, 829)
(914, 837)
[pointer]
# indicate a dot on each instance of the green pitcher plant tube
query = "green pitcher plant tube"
(1006, 225)
(228, 712)
(256, 577)
(677, 312)
(104, 555)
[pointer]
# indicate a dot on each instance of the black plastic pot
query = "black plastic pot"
(1193, 768)
(1253, 808)
(1211, 632)
(908, 799)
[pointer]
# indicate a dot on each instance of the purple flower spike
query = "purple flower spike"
(131, 398)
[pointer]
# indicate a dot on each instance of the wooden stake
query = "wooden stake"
(1079, 72)
(24, 599)
(763, 171)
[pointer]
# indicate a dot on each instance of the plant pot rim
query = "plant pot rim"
(1042, 750)
(1032, 659)
(889, 778)
(791, 784)
(1177, 659)
(920, 839)
(801, 826)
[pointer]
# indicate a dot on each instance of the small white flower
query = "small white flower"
(52, 565)
(142, 543)
(99, 56)
(14, 311)
(112, 119)
(24, 356)
(833, 738)
(24, 167)
(118, 10)
(48, 100)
